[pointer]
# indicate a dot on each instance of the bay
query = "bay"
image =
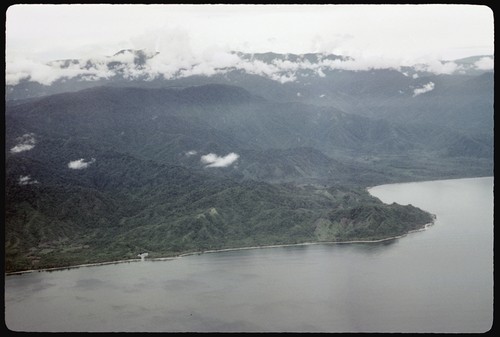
(436, 280)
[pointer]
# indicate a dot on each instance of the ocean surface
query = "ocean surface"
(436, 280)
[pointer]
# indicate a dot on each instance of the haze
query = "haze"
(401, 33)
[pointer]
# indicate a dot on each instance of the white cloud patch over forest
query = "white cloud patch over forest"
(26, 180)
(25, 143)
(213, 160)
(80, 164)
(426, 88)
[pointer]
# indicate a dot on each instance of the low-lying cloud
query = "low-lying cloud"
(25, 143)
(26, 180)
(213, 160)
(426, 88)
(80, 164)
(438, 67)
(146, 65)
(484, 63)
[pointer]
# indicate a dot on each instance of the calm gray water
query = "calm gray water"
(437, 280)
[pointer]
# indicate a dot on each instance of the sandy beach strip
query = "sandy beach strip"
(216, 251)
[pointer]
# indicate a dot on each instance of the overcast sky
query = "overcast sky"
(195, 39)
(403, 31)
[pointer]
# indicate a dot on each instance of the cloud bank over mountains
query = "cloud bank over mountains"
(485, 63)
(147, 65)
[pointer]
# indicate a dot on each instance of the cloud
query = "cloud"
(197, 39)
(21, 69)
(426, 88)
(191, 153)
(80, 164)
(213, 160)
(485, 63)
(439, 67)
(26, 180)
(167, 63)
(320, 72)
(21, 148)
(171, 63)
(26, 143)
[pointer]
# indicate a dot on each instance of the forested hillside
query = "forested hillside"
(167, 166)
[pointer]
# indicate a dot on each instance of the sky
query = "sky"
(381, 34)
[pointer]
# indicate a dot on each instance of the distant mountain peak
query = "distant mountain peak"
(128, 65)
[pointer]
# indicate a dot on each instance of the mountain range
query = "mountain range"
(108, 168)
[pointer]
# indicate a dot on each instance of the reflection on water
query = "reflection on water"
(438, 280)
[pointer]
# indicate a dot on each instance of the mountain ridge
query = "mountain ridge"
(231, 122)
(147, 66)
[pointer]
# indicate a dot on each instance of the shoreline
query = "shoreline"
(425, 227)
(368, 188)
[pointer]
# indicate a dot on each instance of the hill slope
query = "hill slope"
(107, 173)
(178, 126)
(119, 206)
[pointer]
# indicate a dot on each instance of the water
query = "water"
(438, 280)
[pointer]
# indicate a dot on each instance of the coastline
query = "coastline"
(426, 226)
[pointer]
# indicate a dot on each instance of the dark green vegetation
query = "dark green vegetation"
(123, 206)
(301, 174)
